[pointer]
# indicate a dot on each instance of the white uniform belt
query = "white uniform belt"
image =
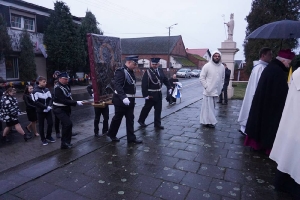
(154, 90)
(59, 104)
(128, 95)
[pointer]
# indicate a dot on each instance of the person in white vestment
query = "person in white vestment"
(265, 56)
(212, 79)
(286, 147)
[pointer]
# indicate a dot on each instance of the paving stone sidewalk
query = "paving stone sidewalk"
(183, 161)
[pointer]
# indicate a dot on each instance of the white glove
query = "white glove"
(79, 103)
(126, 101)
(19, 113)
(49, 108)
(46, 110)
(170, 91)
(92, 95)
(147, 97)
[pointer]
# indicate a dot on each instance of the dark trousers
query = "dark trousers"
(63, 113)
(224, 92)
(117, 119)
(157, 111)
(56, 124)
(105, 114)
(41, 119)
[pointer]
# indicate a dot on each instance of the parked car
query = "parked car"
(184, 73)
(196, 72)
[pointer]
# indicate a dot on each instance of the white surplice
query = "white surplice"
(286, 147)
(249, 94)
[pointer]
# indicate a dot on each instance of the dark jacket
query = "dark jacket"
(29, 103)
(89, 89)
(124, 81)
(62, 95)
(42, 98)
(154, 82)
(267, 104)
(227, 76)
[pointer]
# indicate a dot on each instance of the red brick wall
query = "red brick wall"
(179, 49)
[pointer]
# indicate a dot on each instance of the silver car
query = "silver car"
(184, 73)
(196, 72)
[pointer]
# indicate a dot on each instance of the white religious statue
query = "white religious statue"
(230, 26)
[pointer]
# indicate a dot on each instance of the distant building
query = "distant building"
(20, 15)
(204, 53)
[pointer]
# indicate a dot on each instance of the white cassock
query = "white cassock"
(286, 147)
(249, 94)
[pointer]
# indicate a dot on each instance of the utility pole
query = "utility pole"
(168, 61)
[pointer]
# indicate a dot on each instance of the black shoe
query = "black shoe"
(96, 135)
(115, 139)
(219, 101)
(241, 132)
(105, 133)
(27, 137)
(210, 126)
(136, 141)
(5, 139)
(74, 134)
(58, 135)
(159, 127)
(142, 124)
(66, 146)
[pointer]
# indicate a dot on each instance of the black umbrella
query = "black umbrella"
(284, 29)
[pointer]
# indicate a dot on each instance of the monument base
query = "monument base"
(228, 50)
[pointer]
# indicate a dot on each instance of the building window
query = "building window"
(21, 22)
(16, 21)
(12, 67)
(29, 24)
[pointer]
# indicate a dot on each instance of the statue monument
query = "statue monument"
(230, 26)
(228, 50)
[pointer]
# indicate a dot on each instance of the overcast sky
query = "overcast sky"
(200, 22)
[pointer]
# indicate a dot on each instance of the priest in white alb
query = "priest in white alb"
(286, 147)
(265, 56)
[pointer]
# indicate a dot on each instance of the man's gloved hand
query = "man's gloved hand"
(126, 101)
(19, 113)
(147, 97)
(170, 91)
(49, 108)
(93, 95)
(79, 103)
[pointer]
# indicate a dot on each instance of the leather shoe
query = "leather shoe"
(115, 139)
(159, 127)
(210, 126)
(142, 124)
(136, 141)
(66, 146)
(74, 134)
(219, 101)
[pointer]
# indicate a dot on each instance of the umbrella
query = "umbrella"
(284, 29)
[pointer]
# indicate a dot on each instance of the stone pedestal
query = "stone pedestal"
(228, 50)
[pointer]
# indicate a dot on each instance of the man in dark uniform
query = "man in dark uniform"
(151, 89)
(225, 86)
(124, 101)
(98, 111)
(62, 103)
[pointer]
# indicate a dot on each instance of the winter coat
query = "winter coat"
(9, 108)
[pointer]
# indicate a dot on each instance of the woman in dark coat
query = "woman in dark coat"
(30, 109)
(9, 113)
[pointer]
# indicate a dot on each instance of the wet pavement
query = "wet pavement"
(183, 161)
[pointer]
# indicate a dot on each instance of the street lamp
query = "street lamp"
(168, 61)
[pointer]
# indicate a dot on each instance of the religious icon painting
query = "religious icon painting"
(105, 57)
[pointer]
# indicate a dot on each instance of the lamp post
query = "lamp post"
(168, 61)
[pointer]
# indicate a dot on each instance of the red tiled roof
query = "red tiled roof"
(199, 52)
